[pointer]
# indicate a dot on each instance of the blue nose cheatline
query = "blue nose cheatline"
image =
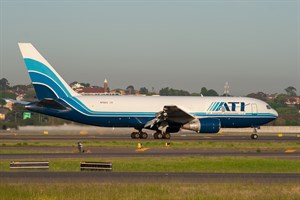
(276, 113)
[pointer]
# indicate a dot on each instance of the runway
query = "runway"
(69, 150)
(146, 177)
(50, 150)
(175, 137)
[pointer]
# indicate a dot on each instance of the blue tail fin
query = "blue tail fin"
(46, 81)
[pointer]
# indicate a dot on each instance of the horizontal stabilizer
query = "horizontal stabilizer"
(50, 103)
(17, 101)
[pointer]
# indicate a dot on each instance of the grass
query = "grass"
(180, 164)
(173, 190)
(175, 144)
(111, 191)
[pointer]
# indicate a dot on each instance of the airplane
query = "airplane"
(163, 114)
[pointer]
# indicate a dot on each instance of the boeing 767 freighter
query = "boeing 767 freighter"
(163, 114)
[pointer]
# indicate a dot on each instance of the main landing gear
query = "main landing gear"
(139, 135)
(143, 135)
(161, 135)
(254, 135)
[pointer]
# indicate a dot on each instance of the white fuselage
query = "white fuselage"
(154, 104)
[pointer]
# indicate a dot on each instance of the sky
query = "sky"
(184, 44)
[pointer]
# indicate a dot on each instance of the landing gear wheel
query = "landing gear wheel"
(167, 136)
(143, 135)
(159, 135)
(133, 135)
(254, 136)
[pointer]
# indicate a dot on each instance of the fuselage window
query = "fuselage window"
(269, 107)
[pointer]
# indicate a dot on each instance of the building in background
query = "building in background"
(106, 89)
(293, 101)
(95, 90)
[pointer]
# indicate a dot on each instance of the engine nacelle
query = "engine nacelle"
(204, 125)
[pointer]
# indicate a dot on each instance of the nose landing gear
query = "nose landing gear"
(254, 135)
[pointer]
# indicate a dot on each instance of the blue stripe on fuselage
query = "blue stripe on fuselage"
(117, 119)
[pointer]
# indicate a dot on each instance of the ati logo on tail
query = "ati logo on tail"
(227, 106)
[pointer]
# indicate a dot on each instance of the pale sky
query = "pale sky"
(183, 44)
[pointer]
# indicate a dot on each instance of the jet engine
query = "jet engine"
(204, 125)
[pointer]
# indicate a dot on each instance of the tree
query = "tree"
(195, 94)
(210, 92)
(280, 100)
(85, 84)
(259, 95)
(173, 92)
(2, 102)
(291, 91)
(19, 87)
(4, 84)
(164, 91)
(144, 90)
(73, 83)
(130, 89)
(30, 95)
(8, 95)
(203, 91)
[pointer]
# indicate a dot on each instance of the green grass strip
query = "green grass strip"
(145, 191)
(181, 164)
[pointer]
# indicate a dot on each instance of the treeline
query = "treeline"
(288, 113)
(175, 92)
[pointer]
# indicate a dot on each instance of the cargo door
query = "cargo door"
(254, 108)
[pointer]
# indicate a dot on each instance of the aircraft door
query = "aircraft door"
(254, 108)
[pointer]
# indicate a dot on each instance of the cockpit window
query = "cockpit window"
(269, 107)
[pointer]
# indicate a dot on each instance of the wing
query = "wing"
(170, 115)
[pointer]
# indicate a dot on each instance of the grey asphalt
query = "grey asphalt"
(98, 152)
(175, 137)
(146, 177)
